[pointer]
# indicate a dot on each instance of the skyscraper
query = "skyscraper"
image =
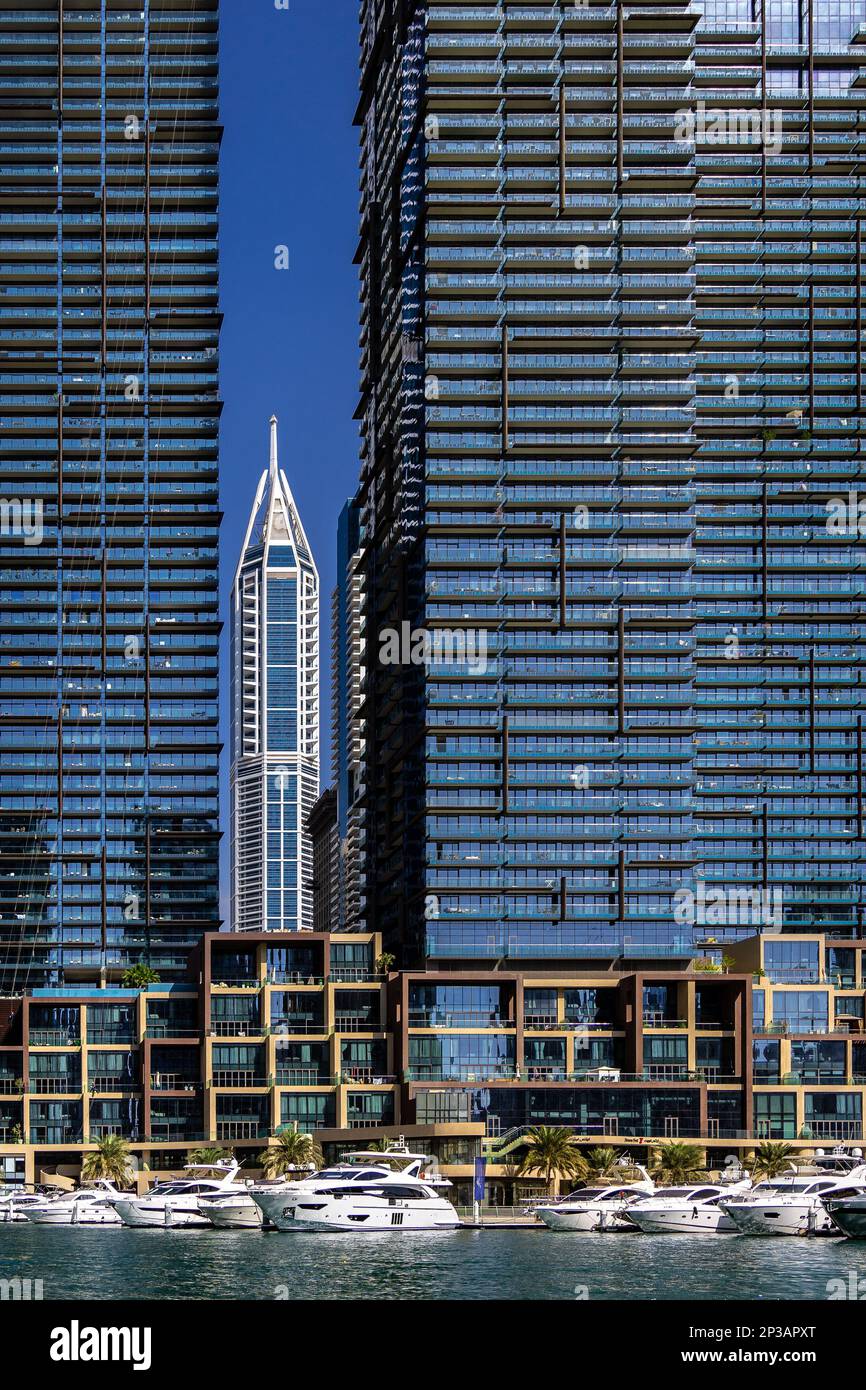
(612, 397)
(109, 330)
(274, 713)
(347, 747)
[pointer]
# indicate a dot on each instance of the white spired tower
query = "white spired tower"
(274, 713)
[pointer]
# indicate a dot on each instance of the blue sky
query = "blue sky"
(290, 338)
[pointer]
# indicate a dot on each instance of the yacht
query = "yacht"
(230, 1210)
(14, 1205)
(393, 1191)
(848, 1214)
(389, 1202)
(793, 1204)
(89, 1207)
(691, 1211)
(176, 1203)
(596, 1208)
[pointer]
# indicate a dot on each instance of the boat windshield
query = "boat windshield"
(787, 1185)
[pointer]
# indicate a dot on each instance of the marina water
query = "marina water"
(119, 1263)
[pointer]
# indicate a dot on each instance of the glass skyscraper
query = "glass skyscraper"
(274, 713)
(109, 515)
(347, 655)
(612, 392)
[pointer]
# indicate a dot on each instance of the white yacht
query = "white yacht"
(365, 1190)
(14, 1205)
(691, 1211)
(230, 1210)
(176, 1203)
(88, 1207)
(793, 1204)
(596, 1208)
(391, 1202)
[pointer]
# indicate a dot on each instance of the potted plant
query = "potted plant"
(385, 962)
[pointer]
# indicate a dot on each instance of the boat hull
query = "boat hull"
(384, 1216)
(684, 1223)
(68, 1218)
(777, 1219)
(851, 1221)
(590, 1220)
(139, 1215)
(273, 1207)
(240, 1216)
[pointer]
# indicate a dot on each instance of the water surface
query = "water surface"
(117, 1263)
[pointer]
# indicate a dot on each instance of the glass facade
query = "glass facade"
(611, 390)
(109, 504)
(274, 713)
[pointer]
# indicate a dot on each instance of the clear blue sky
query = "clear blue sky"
(290, 338)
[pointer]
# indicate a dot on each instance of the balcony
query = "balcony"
(54, 1086)
(295, 977)
(441, 1018)
(53, 1037)
(356, 1023)
(545, 1023)
(236, 1028)
(233, 1130)
(239, 1079)
(364, 1076)
(302, 1076)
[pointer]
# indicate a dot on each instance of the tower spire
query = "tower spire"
(274, 464)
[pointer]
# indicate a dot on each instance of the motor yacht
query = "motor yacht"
(692, 1210)
(848, 1214)
(596, 1208)
(391, 1202)
(14, 1205)
(176, 1203)
(793, 1204)
(88, 1207)
(322, 1200)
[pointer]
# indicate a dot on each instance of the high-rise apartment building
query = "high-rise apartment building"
(347, 745)
(612, 394)
(109, 509)
(274, 713)
(325, 883)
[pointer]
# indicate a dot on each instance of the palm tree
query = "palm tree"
(772, 1159)
(598, 1163)
(292, 1150)
(677, 1163)
(110, 1160)
(551, 1151)
(210, 1157)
